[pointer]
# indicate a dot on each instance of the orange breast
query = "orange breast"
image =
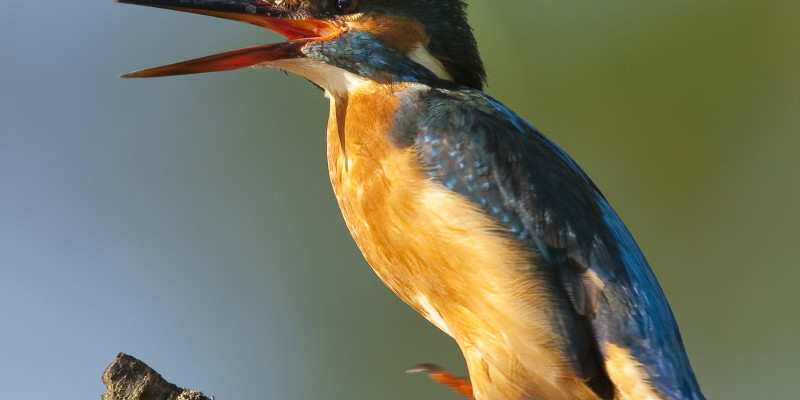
(444, 257)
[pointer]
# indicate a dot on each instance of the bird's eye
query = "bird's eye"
(346, 6)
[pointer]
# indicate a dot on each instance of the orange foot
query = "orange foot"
(460, 385)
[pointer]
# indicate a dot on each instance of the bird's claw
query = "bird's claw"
(459, 385)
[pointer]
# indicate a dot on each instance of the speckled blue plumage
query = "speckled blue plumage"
(477, 147)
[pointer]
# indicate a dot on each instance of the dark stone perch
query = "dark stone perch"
(128, 378)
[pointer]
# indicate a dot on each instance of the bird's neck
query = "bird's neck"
(361, 54)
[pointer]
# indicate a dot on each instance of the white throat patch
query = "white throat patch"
(333, 79)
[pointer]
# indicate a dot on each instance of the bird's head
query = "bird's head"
(335, 42)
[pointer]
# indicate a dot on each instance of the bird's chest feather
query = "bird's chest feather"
(421, 239)
(392, 211)
(437, 251)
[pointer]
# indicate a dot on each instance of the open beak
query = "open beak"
(299, 29)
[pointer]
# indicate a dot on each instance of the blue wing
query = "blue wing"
(479, 148)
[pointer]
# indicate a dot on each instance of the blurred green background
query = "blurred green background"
(189, 221)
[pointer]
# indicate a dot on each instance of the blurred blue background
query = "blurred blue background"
(189, 221)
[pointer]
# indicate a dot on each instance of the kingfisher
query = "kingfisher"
(463, 209)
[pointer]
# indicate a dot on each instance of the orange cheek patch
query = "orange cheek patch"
(399, 33)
